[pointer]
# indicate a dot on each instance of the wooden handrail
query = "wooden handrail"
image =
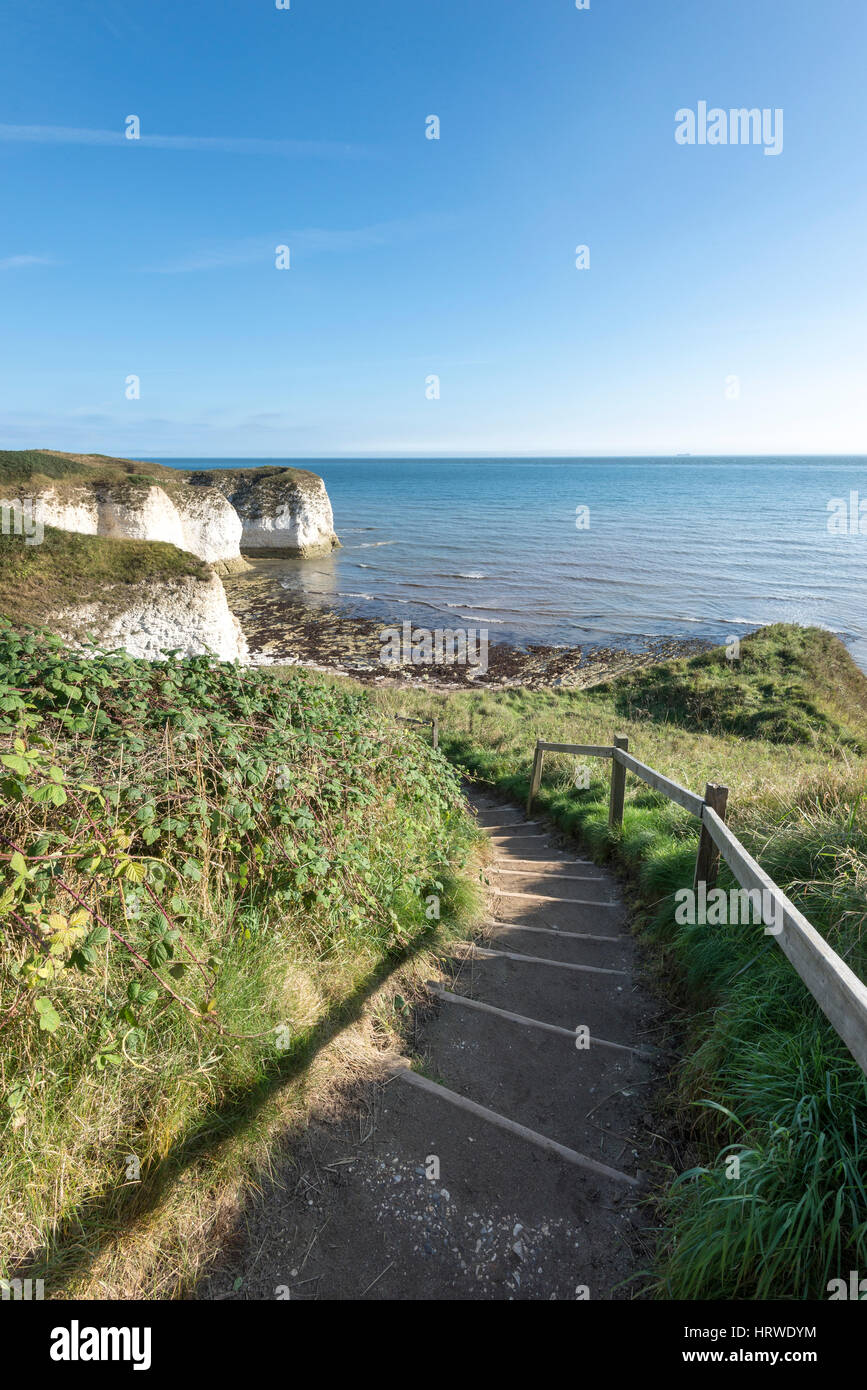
(673, 790)
(836, 988)
(588, 750)
(838, 991)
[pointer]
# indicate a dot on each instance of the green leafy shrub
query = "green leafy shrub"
(200, 864)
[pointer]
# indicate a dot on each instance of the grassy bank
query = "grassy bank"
(38, 582)
(763, 1076)
(207, 873)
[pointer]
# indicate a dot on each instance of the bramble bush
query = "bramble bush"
(197, 862)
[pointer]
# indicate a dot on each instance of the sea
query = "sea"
(591, 551)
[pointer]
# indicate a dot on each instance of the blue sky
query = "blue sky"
(413, 257)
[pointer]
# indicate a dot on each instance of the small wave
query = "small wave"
(342, 594)
(474, 618)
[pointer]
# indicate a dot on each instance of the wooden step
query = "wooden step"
(484, 951)
(404, 1072)
(511, 825)
(569, 1033)
(546, 898)
(551, 931)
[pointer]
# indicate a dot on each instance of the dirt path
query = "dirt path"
(411, 1192)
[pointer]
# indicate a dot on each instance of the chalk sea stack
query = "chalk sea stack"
(283, 511)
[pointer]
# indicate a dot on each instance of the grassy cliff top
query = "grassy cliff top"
(43, 467)
(261, 477)
(37, 581)
(795, 685)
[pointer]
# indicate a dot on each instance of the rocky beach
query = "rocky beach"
(282, 631)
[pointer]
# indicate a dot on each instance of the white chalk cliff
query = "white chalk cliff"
(213, 514)
(205, 526)
(188, 615)
(216, 515)
(283, 511)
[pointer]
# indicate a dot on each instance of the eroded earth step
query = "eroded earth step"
(579, 1098)
(554, 911)
(609, 1004)
(534, 849)
(547, 883)
(585, 948)
(515, 1130)
(475, 949)
(585, 867)
(464, 1001)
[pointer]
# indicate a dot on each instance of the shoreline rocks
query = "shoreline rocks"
(280, 631)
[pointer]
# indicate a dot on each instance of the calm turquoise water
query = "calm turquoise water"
(686, 547)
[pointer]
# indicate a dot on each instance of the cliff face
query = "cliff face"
(187, 614)
(283, 511)
(208, 528)
(214, 514)
(146, 596)
(131, 551)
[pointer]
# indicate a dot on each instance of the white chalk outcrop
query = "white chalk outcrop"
(187, 615)
(73, 511)
(214, 514)
(205, 526)
(140, 514)
(283, 511)
(211, 527)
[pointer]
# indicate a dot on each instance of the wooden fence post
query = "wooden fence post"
(707, 859)
(536, 778)
(435, 726)
(618, 787)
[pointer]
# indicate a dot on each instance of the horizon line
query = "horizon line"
(457, 454)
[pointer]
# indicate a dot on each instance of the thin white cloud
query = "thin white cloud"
(304, 241)
(220, 144)
(15, 262)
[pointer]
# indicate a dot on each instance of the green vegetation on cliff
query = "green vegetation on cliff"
(43, 466)
(39, 581)
(787, 684)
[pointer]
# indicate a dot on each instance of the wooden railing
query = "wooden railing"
(838, 991)
(432, 724)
